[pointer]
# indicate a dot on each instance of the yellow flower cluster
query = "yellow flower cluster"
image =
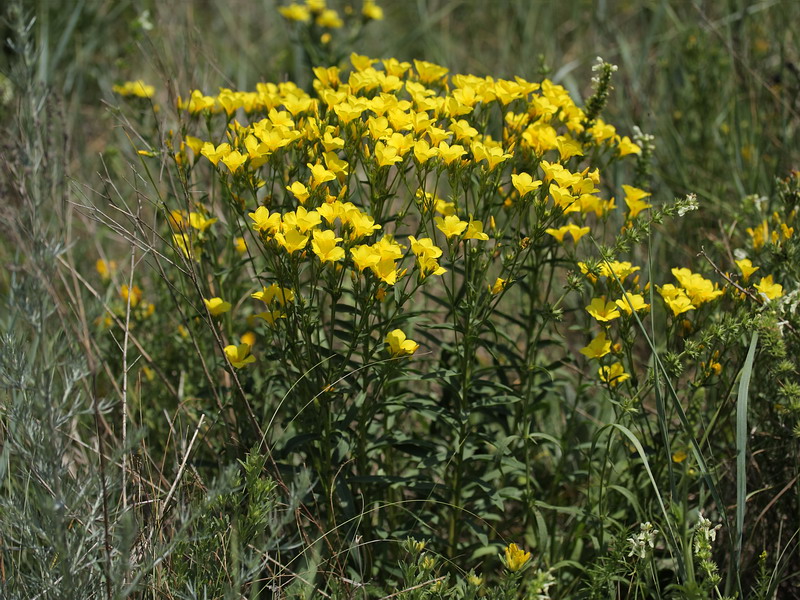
(320, 171)
(136, 88)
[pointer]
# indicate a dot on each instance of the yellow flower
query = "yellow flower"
(292, 240)
(214, 154)
(372, 11)
(746, 267)
(234, 160)
(295, 12)
(239, 356)
(598, 347)
(450, 153)
(450, 225)
(524, 183)
(498, 286)
(632, 302)
(493, 156)
(217, 306)
(361, 224)
(429, 72)
(134, 88)
(105, 268)
(274, 293)
(676, 299)
(613, 375)
(698, 288)
(364, 256)
(475, 231)
(516, 557)
(299, 191)
(302, 219)
(423, 152)
(324, 246)
(626, 146)
(634, 198)
(240, 245)
(399, 345)
(264, 221)
(249, 338)
(330, 18)
(135, 294)
(319, 175)
(386, 155)
(602, 310)
(200, 222)
(768, 288)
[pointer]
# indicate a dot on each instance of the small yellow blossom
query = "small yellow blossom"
(450, 225)
(475, 231)
(240, 245)
(498, 286)
(135, 294)
(632, 302)
(105, 268)
(676, 299)
(613, 375)
(399, 345)
(679, 456)
(239, 356)
(134, 88)
(295, 12)
(634, 198)
(598, 347)
(746, 267)
(217, 306)
(372, 11)
(516, 557)
(603, 311)
(450, 153)
(292, 240)
(264, 221)
(248, 338)
(274, 293)
(330, 18)
(233, 160)
(768, 288)
(524, 183)
(324, 246)
(199, 221)
(299, 191)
